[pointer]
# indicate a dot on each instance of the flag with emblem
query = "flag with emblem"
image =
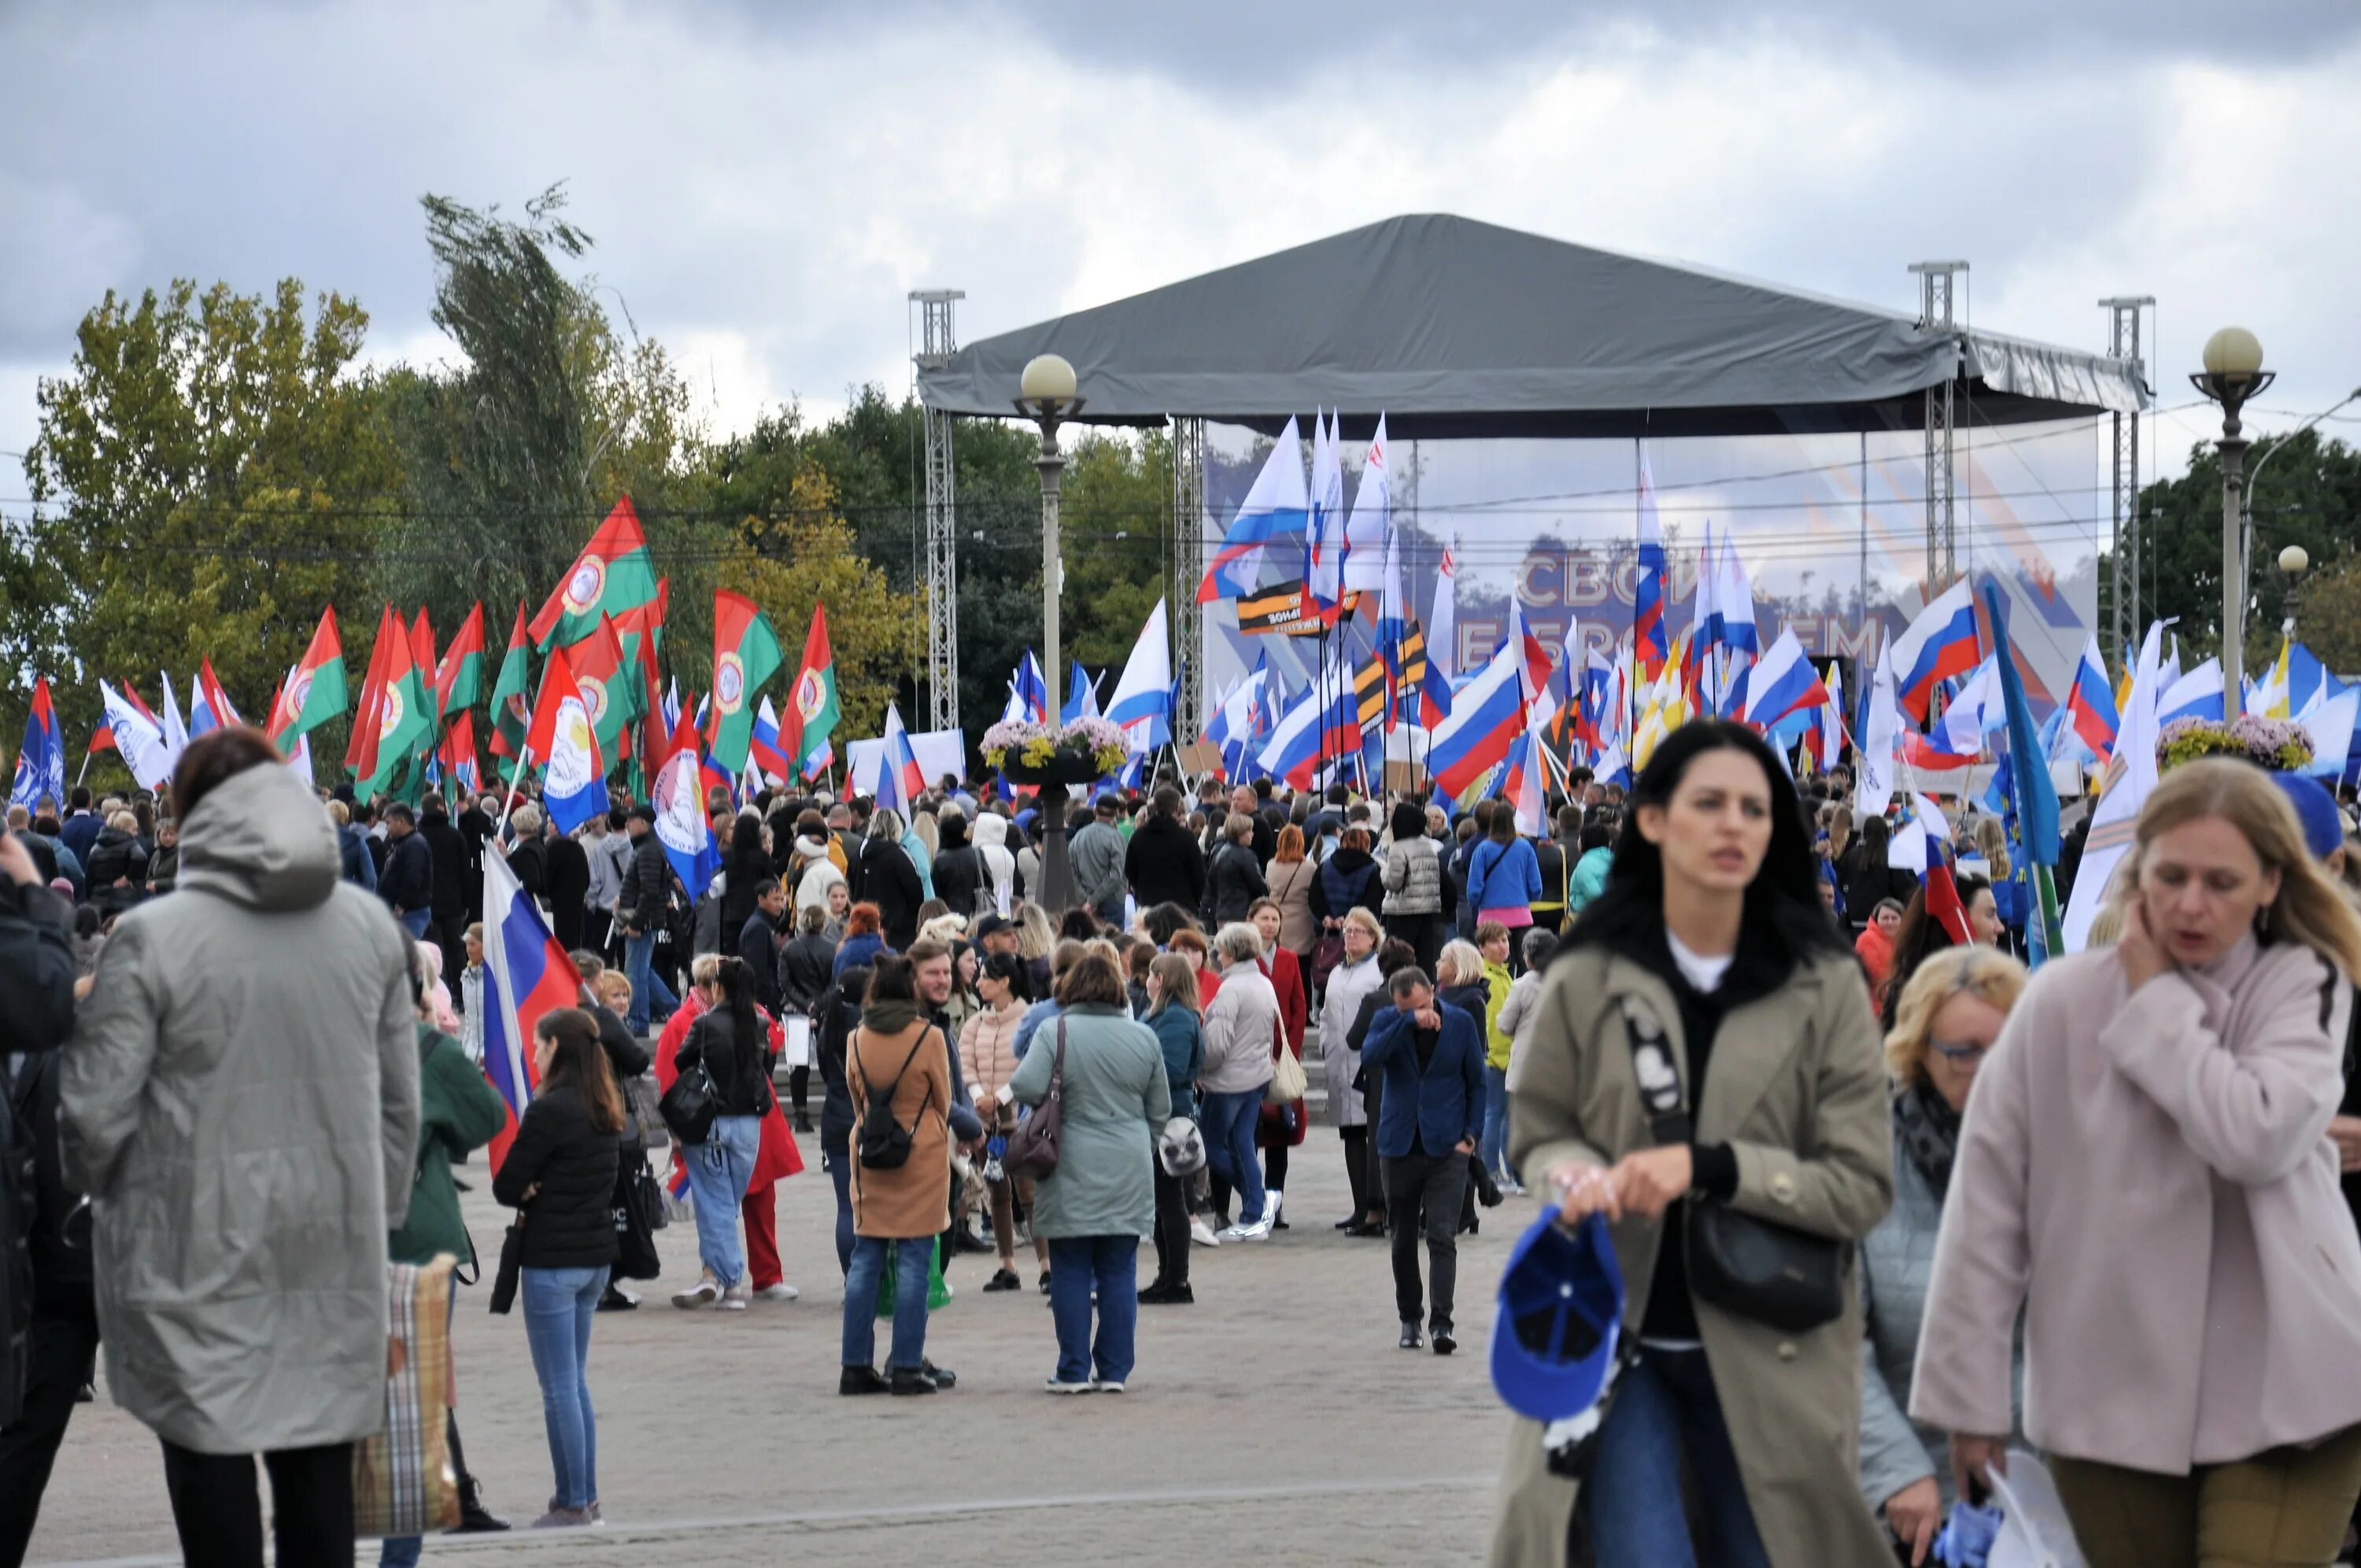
(746, 653)
(610, 686)
(513, 694)
(613, 574)
(395, 715)
(315, 692)
(810, 718)
(459, 678)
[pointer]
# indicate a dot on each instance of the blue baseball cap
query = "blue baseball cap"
(1553, 1344)
(2315, 812)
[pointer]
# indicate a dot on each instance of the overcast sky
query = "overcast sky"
(765, 191)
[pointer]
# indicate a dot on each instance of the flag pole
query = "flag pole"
(516, 783)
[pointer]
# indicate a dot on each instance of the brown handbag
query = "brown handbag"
(1033, 1147)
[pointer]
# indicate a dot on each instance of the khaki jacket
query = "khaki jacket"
(913, 1199)
(1798, 1091)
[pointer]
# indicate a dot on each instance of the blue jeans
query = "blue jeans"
(414, 922)
(1495, 1145)
(1229, 1129)
(911, 1253)
(719, 1171)
(1076, 1263)
(558, 1306)
(839, 1173)
(648, 988)
(1665, 1408)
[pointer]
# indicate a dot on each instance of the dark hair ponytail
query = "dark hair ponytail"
(736, 983)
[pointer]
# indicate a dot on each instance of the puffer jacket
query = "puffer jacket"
(988, 1051)
(806, 966)
(570, 1223)
(1234, 882)
(959, 878)
(1589, 879)
(1413, 878)
(116, 856)
(1000, 887)
(241, 1253)
(1242, 1032)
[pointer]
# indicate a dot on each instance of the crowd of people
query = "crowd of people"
(2096, 1216)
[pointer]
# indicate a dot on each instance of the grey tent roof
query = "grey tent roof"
(1453, 327)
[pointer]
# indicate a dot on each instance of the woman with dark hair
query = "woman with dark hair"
(1162, 920)
(1504, 877)
(900, 1062)
(745, 865)
(839, 1015)
(863, 941)
(560, 1176)
(987, 1044)
(1596, 841)
(1867, 878)
(1921, 935)
(959, 878)
(732, 1044)
(1414, 886)
(1177, 1018)
(1709, 960)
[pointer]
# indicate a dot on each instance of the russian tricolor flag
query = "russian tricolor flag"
(1487, 716)
(1783, 683)
(1648, 635)
(900, 780)
(2091, 705)
(1293, 752)
(527, 976)
(1941, 644)
(1276, 506)
(764, 746)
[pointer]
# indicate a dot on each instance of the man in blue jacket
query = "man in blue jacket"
(1431, 1060)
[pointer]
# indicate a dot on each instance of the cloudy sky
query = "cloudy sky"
(766, 181)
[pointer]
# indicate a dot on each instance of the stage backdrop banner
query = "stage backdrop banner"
(938, 752)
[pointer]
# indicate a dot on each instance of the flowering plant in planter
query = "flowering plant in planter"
(2276, 744)
(1076, 753)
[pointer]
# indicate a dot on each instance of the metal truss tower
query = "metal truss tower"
(2123, 573)
(937, 338)
(1188, 566)
(1936, 288)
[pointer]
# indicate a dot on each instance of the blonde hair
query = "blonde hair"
(2310, 907)
(1035, 935)
(1992, 842)
(1840, 829)
(1463, 962)
(1359, 916)
(1986, 973)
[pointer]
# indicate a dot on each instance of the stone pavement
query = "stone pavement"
(1273, 1422)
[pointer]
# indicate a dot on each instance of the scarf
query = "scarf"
(1929, 1129)
(888, 1017)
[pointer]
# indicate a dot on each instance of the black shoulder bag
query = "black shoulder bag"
(884, 1142)
(1776, 1275)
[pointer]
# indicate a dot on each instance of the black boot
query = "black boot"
(474, 1517)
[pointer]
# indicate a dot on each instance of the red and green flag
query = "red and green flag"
(315, 692)
(613, 574)
(513, 694)
(640, 632)
(746, 653)
(459, 678)
(610, 686)
(810, 717)
(396, 718)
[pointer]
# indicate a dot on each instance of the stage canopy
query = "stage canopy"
(1455, 328)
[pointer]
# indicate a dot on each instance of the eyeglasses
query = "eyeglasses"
(1958, 1054)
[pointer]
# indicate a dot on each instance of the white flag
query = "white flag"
(1365, 535)
(1873, 791)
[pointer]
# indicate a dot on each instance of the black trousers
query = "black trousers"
(1423, 1193)
(59, 1349)
(1424, 933)
(799, 1091)
(1172, 1242)
(217, 1507)
(1356, 1167)
(449, 933)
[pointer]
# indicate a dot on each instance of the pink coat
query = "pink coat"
(2148, 1176)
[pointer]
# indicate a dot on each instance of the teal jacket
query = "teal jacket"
(1589, 879)
(458, 1111)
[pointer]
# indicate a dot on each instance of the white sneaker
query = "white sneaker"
(778, 1293)
(1105, 1387)
(734, 1299)
(1257, 1232)
(704, 1293)
(1203, 1233)
(1054, 1386)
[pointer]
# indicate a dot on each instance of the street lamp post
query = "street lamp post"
(2234, 372)
(1046, 395)
(2294, 561)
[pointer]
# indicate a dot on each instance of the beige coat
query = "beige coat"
(913, 1200)
(1798, 1091)
(2146, 1174)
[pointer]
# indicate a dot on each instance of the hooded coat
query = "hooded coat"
(991, 837)
(241, 1104)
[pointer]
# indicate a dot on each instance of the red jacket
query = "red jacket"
(1286, 1125)
(778, 1156)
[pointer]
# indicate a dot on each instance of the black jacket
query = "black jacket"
(959, 878)
(570, 1223)
(529, 862)
(758, 944)
(647, 885)
(37, 1009)
(449, 848)
(1349, 878)
(1164, 865)
(741, 875)
(838, 1019)
(884, 876)
(59, 1217)
(806, 967)
(407, 879)
(475, 827)
(1236, 879)
(741, 1078)
(569, 886)
(114, 855)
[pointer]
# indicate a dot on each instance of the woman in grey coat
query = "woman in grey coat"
(240, 1101)
(1349, 984)
(1101, 1198)
(1946, 1018)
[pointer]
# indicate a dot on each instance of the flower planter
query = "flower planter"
(1062, 768)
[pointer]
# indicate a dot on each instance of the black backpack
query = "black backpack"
(884, 1142)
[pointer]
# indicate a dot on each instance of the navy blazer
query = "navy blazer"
(1440, 1108)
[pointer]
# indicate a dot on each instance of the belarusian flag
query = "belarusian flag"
(609, 688)
(810, 717)
(459, 678)
(512, 695)
(613, 574)
(395, 717)
(315, 692)
(745, 654)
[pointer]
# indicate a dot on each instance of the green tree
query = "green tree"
(211, 471)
